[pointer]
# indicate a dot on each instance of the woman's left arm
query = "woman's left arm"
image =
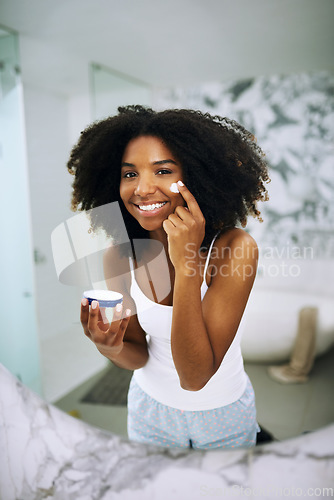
(202, 331)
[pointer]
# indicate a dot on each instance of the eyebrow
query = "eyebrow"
(159, 162)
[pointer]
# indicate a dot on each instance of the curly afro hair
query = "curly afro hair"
(222, 165)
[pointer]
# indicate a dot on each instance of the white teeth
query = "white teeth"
(152, 207)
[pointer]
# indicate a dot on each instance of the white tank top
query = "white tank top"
(159, 378)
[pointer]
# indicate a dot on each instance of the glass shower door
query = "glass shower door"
(19, 347)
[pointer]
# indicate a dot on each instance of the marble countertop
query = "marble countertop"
(47, 454)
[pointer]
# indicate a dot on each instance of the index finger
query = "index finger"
(84, 312)
(189, 199)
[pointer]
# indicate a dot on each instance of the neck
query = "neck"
(160, 235)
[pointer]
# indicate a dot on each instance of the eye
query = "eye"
(128, 175)
(164, 171)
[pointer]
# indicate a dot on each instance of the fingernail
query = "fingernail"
(180, 183)
(94, 304)
(127, 312)
(118, 307)
(84, 302)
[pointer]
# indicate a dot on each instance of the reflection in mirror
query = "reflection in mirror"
(184, 349)
(288, 323)
(291, 117)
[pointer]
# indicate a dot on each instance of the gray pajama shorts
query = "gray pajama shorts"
(231, 426)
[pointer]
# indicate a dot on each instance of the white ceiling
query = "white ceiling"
(169, 42)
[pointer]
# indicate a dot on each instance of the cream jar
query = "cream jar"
(107, 300)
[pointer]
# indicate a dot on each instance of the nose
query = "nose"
(145, 185)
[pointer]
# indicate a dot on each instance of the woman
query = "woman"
(187, 181)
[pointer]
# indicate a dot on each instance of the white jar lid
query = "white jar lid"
(105, 298)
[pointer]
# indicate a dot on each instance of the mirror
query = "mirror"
(296, 257)
(292, 118)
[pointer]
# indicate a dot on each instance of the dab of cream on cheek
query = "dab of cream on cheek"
(174, 188)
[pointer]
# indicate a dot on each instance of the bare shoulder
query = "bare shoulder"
(234, 255)
(236, 243)
(112, 252)
(113, 256)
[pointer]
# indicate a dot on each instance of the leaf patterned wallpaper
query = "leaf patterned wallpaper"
(293, 119)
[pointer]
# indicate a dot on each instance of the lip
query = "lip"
(150, 213)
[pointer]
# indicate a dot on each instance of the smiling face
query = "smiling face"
(148, 170)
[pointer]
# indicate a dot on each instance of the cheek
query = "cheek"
(179, 200)
(123, 192)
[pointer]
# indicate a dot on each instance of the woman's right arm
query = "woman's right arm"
(123, 341)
